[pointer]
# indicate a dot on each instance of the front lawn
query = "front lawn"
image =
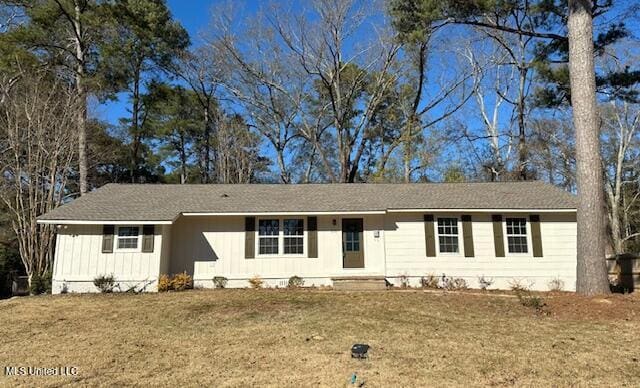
(303, 338)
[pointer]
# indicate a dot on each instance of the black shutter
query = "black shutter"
(148, 233)
(467, 235)
(498, 235)
(429, 235)
(312, 237)
(249, 237)
(536, 236)
(107, 238)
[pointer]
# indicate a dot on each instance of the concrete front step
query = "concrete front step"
(356, 283)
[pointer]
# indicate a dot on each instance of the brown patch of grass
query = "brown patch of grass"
(263, 337)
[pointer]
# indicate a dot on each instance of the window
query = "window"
(128, 237)
(268, 237)
(352, 240)
(517, 235)
(448, 235)
(293, 236)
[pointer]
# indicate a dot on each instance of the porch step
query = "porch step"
(359, 283)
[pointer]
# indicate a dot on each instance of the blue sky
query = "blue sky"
(195, 15)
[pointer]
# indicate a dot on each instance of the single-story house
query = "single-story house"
(504, 232)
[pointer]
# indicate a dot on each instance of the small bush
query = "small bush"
(453, 284)
(256, 282)
(295, 282)
(518, 285)
(164, 283)
(429, 281)
(484, 283)
(532, 301)
(556, 285)
(105, 283)
(40, 284)
(457, 284)
(220, 281)
(181, 282)
(404, 281)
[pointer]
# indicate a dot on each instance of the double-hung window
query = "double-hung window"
(517, 235)
(128, 237)
(293, 236)
(448, 235)
(268, 236)
(275, 233)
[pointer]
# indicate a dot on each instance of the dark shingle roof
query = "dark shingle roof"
(137, 202)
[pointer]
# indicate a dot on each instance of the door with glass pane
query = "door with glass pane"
(352, 243)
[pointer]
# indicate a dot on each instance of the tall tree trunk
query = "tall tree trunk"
(135, 127)
(206, 174)
(591, 269)
(183, 160)
(82, 97)
(522, 145)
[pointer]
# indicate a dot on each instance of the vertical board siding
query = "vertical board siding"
(209, 246)
(79, 257)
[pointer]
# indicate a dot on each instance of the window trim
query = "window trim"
(507, 253)
(138, 247)
(460, 252)
(281, 236)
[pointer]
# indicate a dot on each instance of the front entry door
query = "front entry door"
(352, 244)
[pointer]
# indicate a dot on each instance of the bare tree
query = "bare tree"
(37, 125)
(621, 152)
(592, 271)
(260, 78)
(491, 84)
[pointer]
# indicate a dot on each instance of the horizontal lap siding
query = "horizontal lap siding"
(406, 254)
(79, 257)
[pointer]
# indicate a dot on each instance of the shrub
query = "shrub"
(105, 283)
(453, 284)
(484, 283)
(533, 301)
(40, 284)
(219, 282)
(256, 282)
(457, 284)
(181, 282)
(404, 281)
(295, 282)
(429, 281)
(518, 285)
(556, 285)
(164, 283)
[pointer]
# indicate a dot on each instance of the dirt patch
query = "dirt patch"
(611, 307)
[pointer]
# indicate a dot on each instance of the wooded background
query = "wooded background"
(297, 92)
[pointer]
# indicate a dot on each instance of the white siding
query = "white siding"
(79, 259)
(208, 246)
(406, 253)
